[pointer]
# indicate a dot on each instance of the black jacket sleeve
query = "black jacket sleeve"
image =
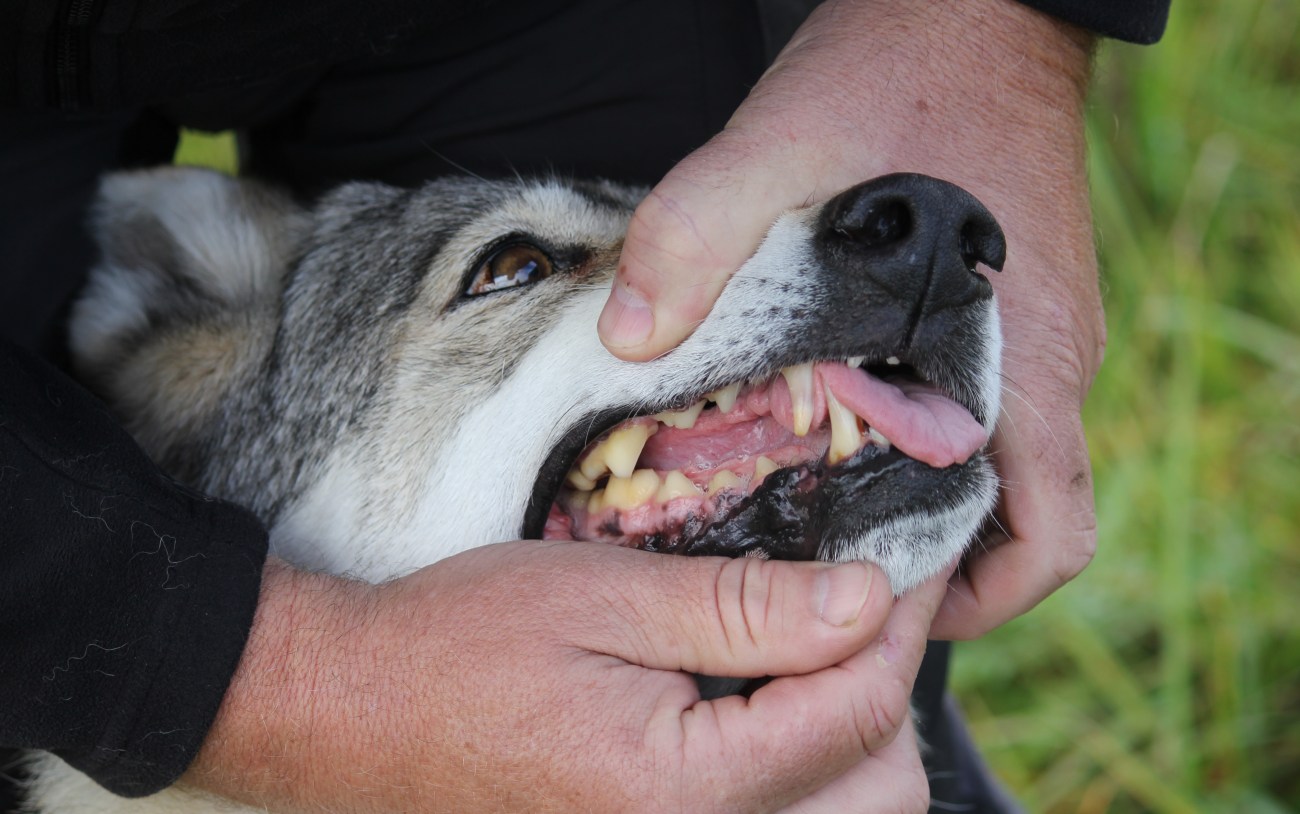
(125, 598)
(1139, 21)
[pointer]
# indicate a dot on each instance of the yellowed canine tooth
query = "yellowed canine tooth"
(630, 492)
(682, 419)
(800, 380)
(676, 484)
(846, 438)
(724, 479)
(764, 466)
(618, 453)
(726, 397)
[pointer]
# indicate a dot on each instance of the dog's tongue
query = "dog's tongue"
(922, 422)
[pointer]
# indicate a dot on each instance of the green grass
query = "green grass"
(1166, 678)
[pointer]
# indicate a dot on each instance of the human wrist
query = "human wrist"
(265, 745)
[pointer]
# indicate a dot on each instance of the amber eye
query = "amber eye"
(510, 266)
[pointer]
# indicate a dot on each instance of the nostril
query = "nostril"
(879, 224)
(969, 254)
(982, 242)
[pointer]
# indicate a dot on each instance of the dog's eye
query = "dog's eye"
(510, 266)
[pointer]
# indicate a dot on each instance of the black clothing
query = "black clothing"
(124, 620)
(125, 599)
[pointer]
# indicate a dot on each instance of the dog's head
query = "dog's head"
(392, 376)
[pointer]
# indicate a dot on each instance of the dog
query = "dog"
(390, 376)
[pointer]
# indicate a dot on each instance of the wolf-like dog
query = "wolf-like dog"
(389, 376)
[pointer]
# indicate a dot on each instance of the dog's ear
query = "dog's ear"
(183, 298)
(175, 244)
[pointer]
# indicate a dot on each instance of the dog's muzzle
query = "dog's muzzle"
(871, 412)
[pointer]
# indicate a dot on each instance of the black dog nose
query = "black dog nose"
(918, 238)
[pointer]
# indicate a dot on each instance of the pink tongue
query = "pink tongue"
(920, 421)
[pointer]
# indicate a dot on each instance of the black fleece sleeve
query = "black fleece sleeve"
(1138, 21)
(125, 598)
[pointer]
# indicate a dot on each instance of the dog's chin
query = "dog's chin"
(743, 476)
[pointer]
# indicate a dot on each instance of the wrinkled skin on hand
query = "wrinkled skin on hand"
(984, 93)
(538, 676)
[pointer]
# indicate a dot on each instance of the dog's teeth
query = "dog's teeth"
(682, 419)
(618, 453)
(878, 439)
(631, 492)
(800, 380)
(764, 466)
(579, 481)
(675, 485)
(846, 438)
(855, 361)
(893, 361)
(724, 479)
(596, 502)
(726, 397)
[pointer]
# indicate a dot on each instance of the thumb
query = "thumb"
(744, 617)
(694, 229)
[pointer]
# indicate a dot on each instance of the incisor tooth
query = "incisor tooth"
(675, 485)
(878, 438)
(618, 453)
(682, 419)
(846, 439)
(764, 466)
(726, 397)
(596, 502)
(893, 360)
(800, 380)
(855, 361)
(724, 479)
(630, 492)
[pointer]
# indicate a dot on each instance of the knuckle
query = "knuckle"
(880, 716)
(742, 593)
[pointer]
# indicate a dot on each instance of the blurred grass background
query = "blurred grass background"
(1166, 678)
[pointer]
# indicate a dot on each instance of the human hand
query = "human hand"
(546, 677)
(987, 94)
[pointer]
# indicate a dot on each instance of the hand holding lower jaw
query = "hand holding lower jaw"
(548, 677)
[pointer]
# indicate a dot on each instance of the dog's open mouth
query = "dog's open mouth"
(762, 467)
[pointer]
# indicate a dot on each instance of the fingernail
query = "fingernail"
(841, 592)
(627, 319)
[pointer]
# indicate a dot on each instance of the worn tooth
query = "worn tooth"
(800, 380)
(726, 397)
(676, 484)
(580, 481)
(724, 479)
(764, 466)
(682, 419)
(855, 361)
(878, 439)
(846, 438)
(618, 453)
(893, 361)
(630, 492)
